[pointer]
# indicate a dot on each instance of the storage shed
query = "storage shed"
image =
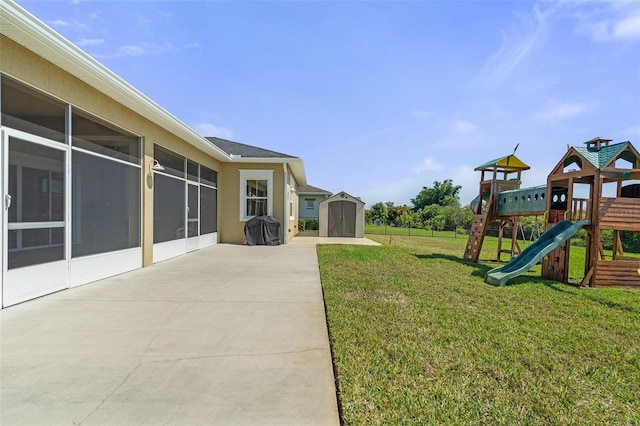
(342, 215)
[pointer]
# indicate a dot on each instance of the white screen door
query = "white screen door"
(34, 217)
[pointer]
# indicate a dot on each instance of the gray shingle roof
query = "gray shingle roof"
(243, 150)
(312, 189)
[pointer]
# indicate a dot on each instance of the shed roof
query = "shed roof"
(507, 163)
(342, 195)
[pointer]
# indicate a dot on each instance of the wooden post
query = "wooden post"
(595, 246)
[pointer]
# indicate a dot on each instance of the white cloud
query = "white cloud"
(132, 50)
(618, 20)
(557, 110)
(90, 41)
(428, 164)
(209, 129)
(59, 23)
(142, 49)
(464, 127)
(68, 26)
(517, 44)
(628, 28)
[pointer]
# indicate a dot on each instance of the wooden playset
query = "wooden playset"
(596, 169)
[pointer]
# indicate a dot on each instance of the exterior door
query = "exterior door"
(35, 222)
(342, 219)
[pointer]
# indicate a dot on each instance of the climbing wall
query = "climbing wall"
(476, 237)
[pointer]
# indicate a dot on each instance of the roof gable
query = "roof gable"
(607, 154)
(343, 196)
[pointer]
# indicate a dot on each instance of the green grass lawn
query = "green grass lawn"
(419, 338)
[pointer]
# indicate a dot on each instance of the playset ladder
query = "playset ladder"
(476, 237)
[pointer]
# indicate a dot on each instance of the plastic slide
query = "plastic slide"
(533, 254)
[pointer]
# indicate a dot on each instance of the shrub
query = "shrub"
(308, 225)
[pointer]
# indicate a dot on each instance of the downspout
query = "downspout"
(285, 214)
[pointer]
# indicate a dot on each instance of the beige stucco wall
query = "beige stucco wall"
(292, 224)
(25, 66)
(231, 228)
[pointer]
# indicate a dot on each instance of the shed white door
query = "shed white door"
(342, 219)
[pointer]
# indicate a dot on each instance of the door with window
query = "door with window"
(34, 220)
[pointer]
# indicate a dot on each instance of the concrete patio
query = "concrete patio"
(230, 334)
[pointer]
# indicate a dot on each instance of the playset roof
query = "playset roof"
(510, 163)
(603, 157)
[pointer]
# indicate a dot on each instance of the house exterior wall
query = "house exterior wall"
(23, 65)
(291, 228)
(98, 102)
(231, 228)
(314, 213)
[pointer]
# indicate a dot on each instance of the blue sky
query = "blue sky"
(379, 98)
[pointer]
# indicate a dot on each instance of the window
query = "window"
(26, 109)
(93, 135)
(256, 193)
(310, 203)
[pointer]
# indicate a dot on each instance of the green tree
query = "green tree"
(405, 218)
(443, 193)
(395, 213)
(377, 213)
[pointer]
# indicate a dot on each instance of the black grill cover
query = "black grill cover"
(262, 231)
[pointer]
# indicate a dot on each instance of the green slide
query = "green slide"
(533, 254)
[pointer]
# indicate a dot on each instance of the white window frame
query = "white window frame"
(292, 198)
(246, 175)
(312, 201)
